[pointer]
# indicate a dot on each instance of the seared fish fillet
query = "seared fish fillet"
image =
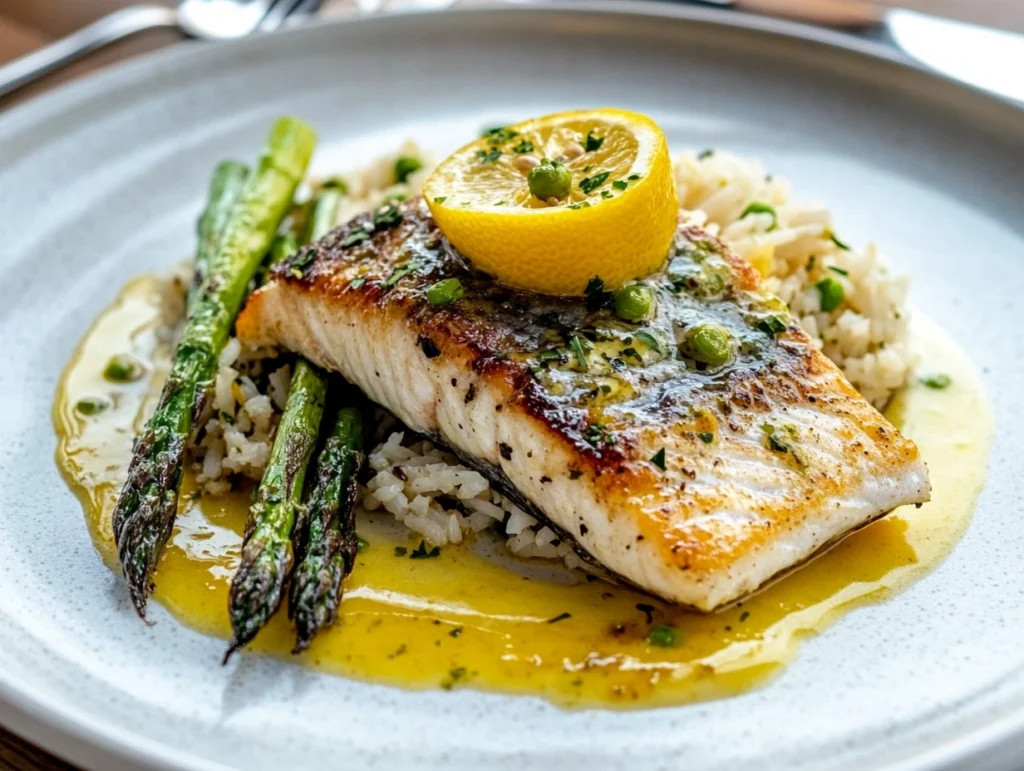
(696, 483)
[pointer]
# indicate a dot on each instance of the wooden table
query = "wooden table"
(28, 24)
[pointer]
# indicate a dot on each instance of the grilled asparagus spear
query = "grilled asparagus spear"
(148, 503)
(328, 541)
(258, 586)
(225, 187)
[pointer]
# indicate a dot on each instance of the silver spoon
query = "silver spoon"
(201, 19)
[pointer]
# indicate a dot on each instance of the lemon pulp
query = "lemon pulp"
(615, 223)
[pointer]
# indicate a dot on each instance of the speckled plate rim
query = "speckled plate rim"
(81, 737)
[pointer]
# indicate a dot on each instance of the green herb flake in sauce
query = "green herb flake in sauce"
(401, 551)
(620, 184)
(938, 381)
(577, 348)
(706, 436)
(440, 198)
(758, 207)
(633, 177)
(455, 632)
(91, 405)
(650, 340)
(606, 194)
(658, 459)
(589, 184)
(559, 617)
(123, 368)
(840, 271)
(705, 154)
(422, 553)
(524, 146)
(663, 636)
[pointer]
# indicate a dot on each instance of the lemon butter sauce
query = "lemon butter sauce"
(471, 616)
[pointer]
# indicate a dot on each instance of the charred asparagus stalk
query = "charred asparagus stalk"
(148, 503)
(258, 586)
(327, 542)
(225, 187)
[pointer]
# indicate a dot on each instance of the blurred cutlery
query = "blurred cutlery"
(201, 19)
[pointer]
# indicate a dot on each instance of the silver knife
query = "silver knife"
(984, 57)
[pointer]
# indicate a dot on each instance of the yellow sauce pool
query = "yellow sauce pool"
(462, 620)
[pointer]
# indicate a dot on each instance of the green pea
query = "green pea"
(406, 165)
(832, 293)
(123, 369)
(938, 382)
(443, 292)
(663, 636)
(709, 343)
(91, 405)
(549, 180)
(634, 302)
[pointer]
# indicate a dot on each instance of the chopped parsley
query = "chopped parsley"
(552, 354)
(606, 194)
(406, 165)
(356, 236)
(387, 217)
(440, 198)
(835, 240)
(356, 282)
(401, 272)
(592, 143)
(771, 325)
(783, 440)
(577, 348)
(706, 436)
(589, 184)
(938, 382)
(422, 553)
(597, 298)
(649, 339)
(705, 154)
(499, 134)
(598, 436)
(524, 146)
(633, 177)
(762, 208)
(488, 156)
(455, 632)
(620, 184)
(840, 271)
(454, 675)
(663, 636)
(658, 459)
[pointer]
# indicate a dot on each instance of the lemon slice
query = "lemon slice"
(616, 222)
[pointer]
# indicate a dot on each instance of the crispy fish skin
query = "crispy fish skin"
(766, 460)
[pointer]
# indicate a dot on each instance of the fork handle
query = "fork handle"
(101, 32)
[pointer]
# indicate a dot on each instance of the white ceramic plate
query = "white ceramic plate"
(102, 180)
